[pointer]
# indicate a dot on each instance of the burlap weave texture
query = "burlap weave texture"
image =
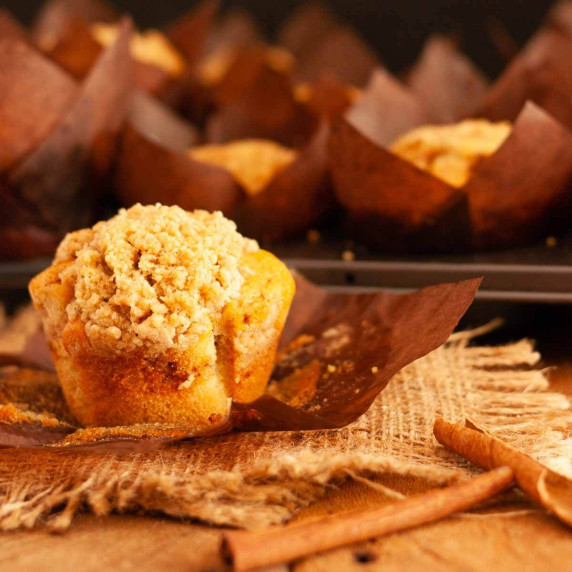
(257, 479)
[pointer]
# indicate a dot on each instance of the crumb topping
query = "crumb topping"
(451, 151)
(153, 277)
(150, 47)
(252, 162)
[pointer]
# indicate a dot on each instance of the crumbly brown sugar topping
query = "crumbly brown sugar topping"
(451, 151)
(252, 162)
(153, 277)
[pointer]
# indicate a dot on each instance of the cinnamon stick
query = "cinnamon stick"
(248, 550)
(545, 487)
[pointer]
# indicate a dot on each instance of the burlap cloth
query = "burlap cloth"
(257, 479)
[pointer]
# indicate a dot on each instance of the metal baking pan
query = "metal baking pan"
(533, 274)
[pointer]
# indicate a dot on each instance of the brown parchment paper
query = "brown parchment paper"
(560, 16)
(54, 13)
(257, 101)
(63, 32)
(190, 32)
(541, 73)
(154, 165)
(246, 64)
(9, 26)
(328, 97)
(342, 54)
(338, 352)
(443, 86)
(306, 27)
(387, 108)
(446, 80)
(513, 197)
(322, 45)
(58, 136)
(236, 29)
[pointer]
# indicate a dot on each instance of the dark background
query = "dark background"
(396, 28)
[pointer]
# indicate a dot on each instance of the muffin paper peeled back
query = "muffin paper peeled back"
(154, 166)
(57, 134)
(521, 193)
(338, 352)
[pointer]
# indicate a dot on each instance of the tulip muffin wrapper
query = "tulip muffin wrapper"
(539, 73)
(338, 352)
(519, 194)
(57, 136)
(155, 166)
(63, 31)
(323, 45)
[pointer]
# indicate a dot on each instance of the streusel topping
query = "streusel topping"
(153, 277)
(451, 151)
(252, 162)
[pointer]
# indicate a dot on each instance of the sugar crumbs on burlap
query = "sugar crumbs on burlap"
(258, 479)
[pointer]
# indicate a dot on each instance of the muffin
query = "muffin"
(149, 47)
(450, 152)
(159, 315)
(253, 163)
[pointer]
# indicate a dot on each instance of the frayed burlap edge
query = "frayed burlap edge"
(231, 498)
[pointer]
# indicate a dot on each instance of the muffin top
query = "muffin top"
(253, 163)
(150, 47)
(152, 277)
(450, 151)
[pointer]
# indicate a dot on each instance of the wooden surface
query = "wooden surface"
(512, 536)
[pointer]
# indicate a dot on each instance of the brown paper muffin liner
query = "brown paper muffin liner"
(9, 26)
(57, 136)
(322, 45)
(154, 166)
(560, 16)
(339, 351)
(541, 73)
(190, 32)
(329, 98)
(306, 28)
(387, 108)
(515, 196)
(63, 33)
(258, 101)
(446, 80)
(443, 86)
(54, 14)
(342, 54)
(236, 29)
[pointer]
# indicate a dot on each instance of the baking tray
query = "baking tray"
(534, 274)
(540, 273)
